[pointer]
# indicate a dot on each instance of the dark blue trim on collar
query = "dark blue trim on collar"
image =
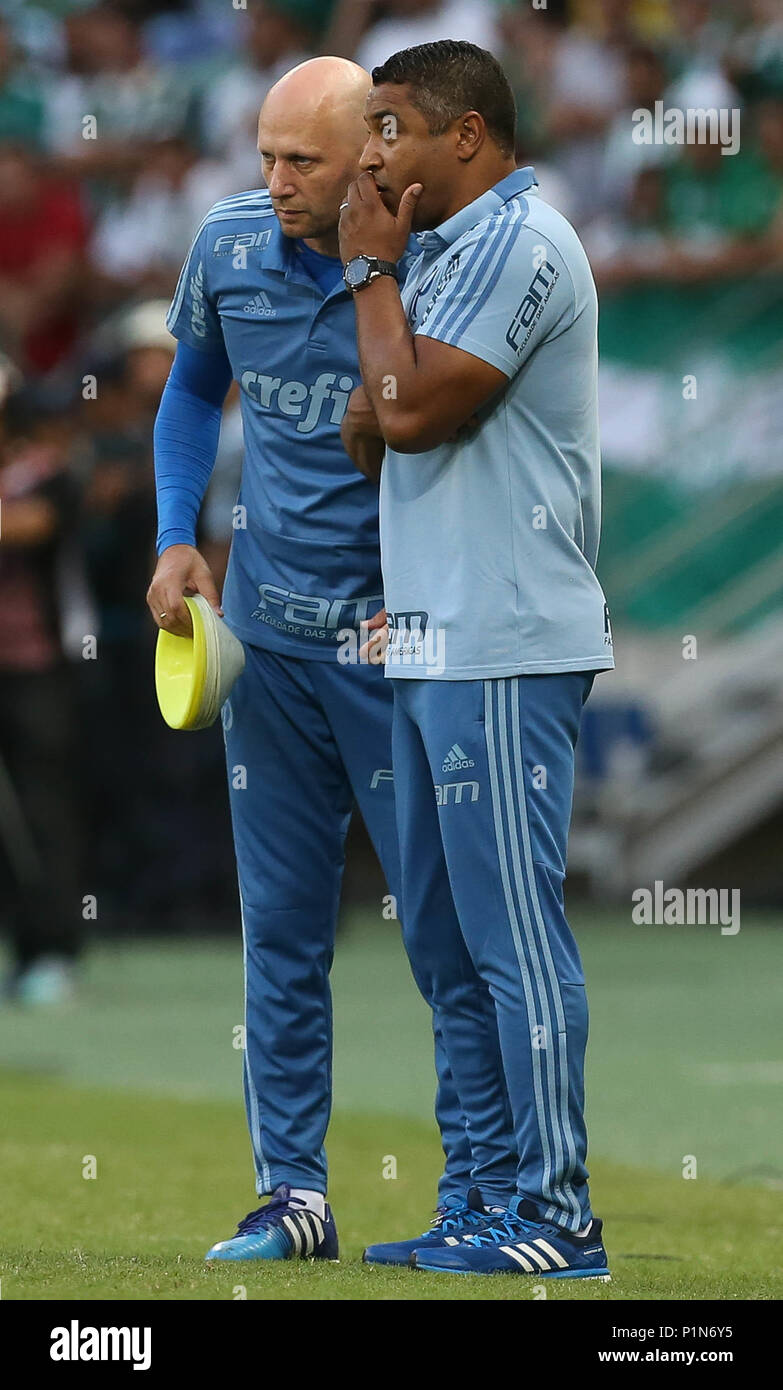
(454, 227)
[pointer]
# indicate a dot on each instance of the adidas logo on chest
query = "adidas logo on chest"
(261, 306)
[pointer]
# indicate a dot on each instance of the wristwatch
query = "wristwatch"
(360, 270)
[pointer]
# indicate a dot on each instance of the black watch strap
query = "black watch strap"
(372, 267)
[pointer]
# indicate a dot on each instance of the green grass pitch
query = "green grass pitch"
(143, 1075)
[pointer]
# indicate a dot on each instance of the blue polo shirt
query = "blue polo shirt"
(489, 541)
(304, 561)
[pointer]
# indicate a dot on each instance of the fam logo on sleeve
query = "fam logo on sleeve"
(532, 306)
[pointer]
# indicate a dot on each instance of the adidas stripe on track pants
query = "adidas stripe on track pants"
(491, 840)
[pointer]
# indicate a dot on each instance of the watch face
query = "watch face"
(356, 271)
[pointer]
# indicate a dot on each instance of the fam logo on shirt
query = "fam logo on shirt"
(413, 641)
(233, 243)
(532, 306)
(306, 615)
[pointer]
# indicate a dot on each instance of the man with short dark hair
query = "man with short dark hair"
(481, 375)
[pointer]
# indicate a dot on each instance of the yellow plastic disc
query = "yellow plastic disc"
(180, 672)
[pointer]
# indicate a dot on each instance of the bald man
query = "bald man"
(261, 299)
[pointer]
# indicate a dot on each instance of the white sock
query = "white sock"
(313, 1201)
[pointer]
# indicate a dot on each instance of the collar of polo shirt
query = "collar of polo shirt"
(454, 227)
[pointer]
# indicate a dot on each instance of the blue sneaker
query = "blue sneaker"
(454, 1218)
(283, 1229)
(518, 1242)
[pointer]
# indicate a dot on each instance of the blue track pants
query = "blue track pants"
(303, 739)
(484, 774)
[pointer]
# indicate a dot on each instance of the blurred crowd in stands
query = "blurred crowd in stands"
(120, 124)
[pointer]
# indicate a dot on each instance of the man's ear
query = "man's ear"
(471, 134)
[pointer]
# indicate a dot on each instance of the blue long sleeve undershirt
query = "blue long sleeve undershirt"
(185, 439)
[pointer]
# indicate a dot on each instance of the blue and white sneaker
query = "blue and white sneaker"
(283, 1229)
(518, 1242)
(454, 1218)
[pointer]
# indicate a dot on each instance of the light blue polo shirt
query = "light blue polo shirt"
(489, 543)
